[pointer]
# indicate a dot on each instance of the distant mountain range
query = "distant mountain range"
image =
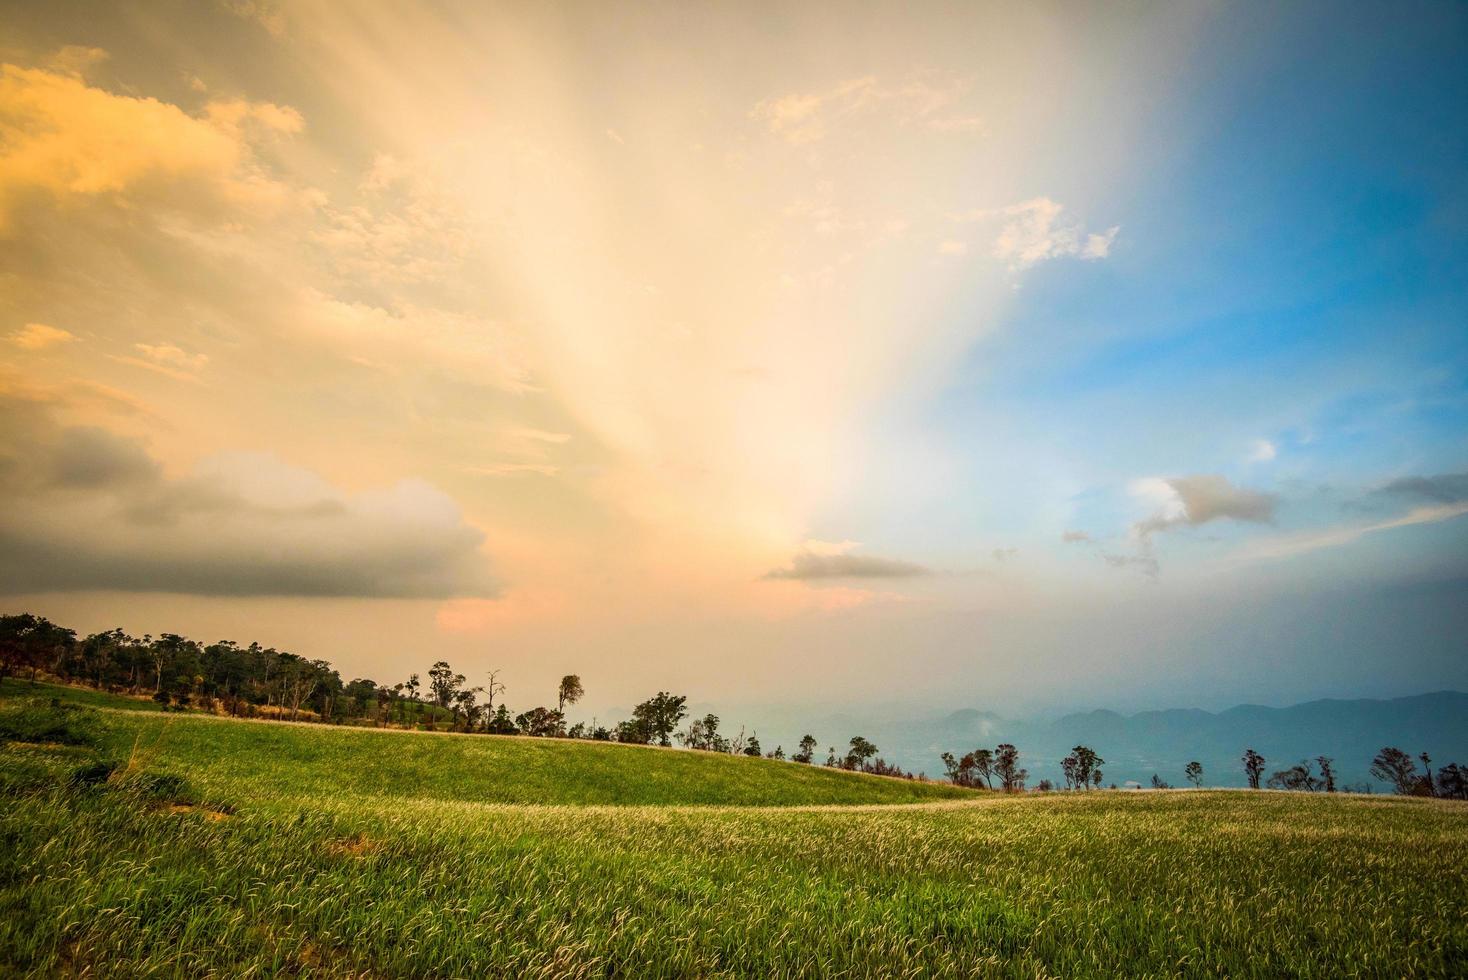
(1163, 742)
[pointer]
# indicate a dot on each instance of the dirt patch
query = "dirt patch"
(203, 811)
(357, 845)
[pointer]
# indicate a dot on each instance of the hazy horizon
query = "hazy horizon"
(1027, 359)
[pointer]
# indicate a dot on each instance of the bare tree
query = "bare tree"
(1327, 772)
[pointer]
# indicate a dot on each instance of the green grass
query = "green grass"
(427, 877)
(19, 687)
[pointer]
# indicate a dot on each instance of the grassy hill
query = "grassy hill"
(303, 850)
(274, 759)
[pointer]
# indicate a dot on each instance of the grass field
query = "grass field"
(296, 850)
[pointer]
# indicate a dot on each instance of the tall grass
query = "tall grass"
(306, 879)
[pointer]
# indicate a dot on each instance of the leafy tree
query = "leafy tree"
(969, 770)
(1394, 766)
(807, 750)
(1253, 767)
(540, 722)
(500, 722)
(861, 750)
(983, 766)
(779, 753)
(1006, 767)
(654, 720)
(752, 746)
(29, 641)
(443, 684)
(1068, 767)
(1159, 783)
(569, 693)
(1194, 772)
(1086, 762)
(703, 734)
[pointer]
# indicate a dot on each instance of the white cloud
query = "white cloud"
(1262, 451)
(1039, 229)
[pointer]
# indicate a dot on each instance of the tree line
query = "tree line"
(262, 682)
(999, 768)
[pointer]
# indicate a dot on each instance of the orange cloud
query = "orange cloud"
(66, 139)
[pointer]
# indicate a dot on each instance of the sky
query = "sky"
(1018, 357)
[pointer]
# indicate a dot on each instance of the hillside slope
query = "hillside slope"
(228, 757)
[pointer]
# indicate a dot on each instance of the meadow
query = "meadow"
(231, 848)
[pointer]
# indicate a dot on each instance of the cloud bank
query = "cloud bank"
(92, 510)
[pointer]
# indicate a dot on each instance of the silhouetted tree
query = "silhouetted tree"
(1086, 761)
(1159, 783)
(1327, 772)
(540, 722)
(1253, 767)
(1394, 766)
(752, 746)
(492, 690)
(570, 692)
(1194, 772)
(500, 723)
(1006, 767)
(1427, 782)
(807, 750)
(1297, 777)
(1452, 782)
(654, 720)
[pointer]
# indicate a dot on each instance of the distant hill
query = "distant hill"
(1163, 742)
